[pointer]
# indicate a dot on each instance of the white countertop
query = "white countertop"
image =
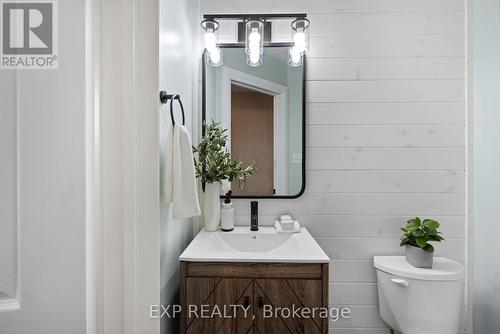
(265, 245)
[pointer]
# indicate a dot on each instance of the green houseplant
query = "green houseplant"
(416, 237)
(214, 164)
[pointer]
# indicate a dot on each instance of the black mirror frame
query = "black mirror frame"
(204, 114)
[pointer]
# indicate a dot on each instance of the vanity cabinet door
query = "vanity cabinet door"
(216, 305)
(234, 295)
(276, 300)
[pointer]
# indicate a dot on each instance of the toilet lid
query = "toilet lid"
(443, 269)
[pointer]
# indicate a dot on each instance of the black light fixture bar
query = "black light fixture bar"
(255, 16)
(266, 44)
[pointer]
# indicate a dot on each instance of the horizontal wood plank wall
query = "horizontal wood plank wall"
(386, 134)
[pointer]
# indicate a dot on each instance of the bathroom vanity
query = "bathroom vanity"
(251, 282)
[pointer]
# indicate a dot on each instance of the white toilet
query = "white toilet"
(420, 301)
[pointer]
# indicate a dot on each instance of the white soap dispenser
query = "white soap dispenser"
(227, 214)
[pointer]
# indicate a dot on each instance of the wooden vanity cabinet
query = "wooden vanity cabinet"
(223, 289)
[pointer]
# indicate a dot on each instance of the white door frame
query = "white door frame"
(280, 94)
(123, 253)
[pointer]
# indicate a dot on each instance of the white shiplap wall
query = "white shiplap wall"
(386, 123)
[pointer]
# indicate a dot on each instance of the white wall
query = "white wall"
(178, 75)
(386, 138)
(42, 177)
(486, 164)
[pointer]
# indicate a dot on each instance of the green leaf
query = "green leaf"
(421, 242)
(418, 233)
(430, 230)
(411, 221)
(428, 248)
(412, 225)
(404, 241)
(431, 223)
(437, 238)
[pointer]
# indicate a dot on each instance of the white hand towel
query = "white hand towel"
(185, 194)
(288, 224)
(279, 228)
(285, 217)
(166, 158)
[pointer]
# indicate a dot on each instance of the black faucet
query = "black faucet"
(254, 216)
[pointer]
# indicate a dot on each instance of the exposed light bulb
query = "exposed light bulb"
(299, 40)
(295, 56)
(254, 41)
(210, 41)
(253, 45)
(254, 57)
(215, 56)
(254, 36)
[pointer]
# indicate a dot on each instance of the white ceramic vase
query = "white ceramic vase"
(211, 206)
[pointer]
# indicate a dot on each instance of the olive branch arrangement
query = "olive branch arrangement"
(214, 163)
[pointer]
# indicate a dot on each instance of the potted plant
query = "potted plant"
(416, 238)
(213, 165)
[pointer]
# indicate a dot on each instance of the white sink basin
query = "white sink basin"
(265, 245)
(244, 241)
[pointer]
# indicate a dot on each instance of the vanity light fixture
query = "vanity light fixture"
(254, 42)
(254, 32)
(214, 52)
(300, 41)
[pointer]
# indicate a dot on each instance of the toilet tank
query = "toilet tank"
(420, 301)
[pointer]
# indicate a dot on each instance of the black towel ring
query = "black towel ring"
(164, 98)
(178, 98)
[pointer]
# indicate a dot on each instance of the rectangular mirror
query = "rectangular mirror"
(263, 110)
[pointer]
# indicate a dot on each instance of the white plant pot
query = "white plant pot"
(211, 206)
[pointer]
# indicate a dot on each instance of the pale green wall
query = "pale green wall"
(486, 165)
(177, 18)
(272, 69)
(294, 79)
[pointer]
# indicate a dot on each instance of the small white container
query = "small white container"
(227, 214)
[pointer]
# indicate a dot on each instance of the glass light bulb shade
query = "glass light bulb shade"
(300, 28)
(254, 36)
(295, 58)
(214, 57)
(211, 31)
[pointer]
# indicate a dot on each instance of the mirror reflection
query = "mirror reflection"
(262, 110)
